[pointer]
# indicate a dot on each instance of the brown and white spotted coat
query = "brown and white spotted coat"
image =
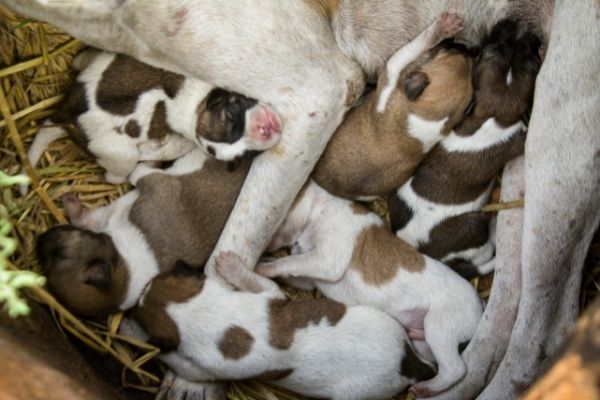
(437, 210)
(318, 348)
(109, 254)
(421, 94)
(122, 111)
(351, 256)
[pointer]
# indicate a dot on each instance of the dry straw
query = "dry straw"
(35, 60)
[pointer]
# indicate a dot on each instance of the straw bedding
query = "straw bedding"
(35, 61)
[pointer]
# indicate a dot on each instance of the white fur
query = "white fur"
(488, 135)
(358, 358)
(427, 214)
(323, 230)
(426, 131)
(404, 56)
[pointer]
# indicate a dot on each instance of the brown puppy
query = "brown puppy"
(436, 210)
(419, 97)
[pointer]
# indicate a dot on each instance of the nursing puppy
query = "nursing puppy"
(436, 210)
(123, 111)
(105, 259)
(424, 91)
(348, 253)
(318, 348)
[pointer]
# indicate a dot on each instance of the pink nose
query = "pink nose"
(270, 124)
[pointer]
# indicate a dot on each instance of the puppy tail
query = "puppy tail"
(45, 136)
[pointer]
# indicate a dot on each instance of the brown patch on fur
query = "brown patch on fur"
(194, 208)
(133, 129)
(379, 254)
(460, 177)
(84, 269)
(371, 153)
(325, 8)
(236, 343)
(165, 289)
(126, 79)
(274, 375)
(461, 232)
(286, 317)
(413, 367)
(358, 208)
(159, 127)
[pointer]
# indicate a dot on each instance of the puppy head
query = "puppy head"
(438, 84)
(504, 77)
(85, 271)
(229, 124)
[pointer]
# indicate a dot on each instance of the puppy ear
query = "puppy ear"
(98, 274)
(414, 84)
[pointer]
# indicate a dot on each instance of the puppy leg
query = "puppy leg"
(96, 219)
(487, 347)
(231, 267)
(190, 162)
(562, 207)
(313, 265)
(444, 347)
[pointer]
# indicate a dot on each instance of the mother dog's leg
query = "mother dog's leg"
(282, 53)
(279, 52)
(488, 345)
(562, 207)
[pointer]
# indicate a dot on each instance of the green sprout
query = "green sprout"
(11, 282)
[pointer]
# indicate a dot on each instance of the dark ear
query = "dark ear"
(99, 274)
(414, 84)
(182, 268)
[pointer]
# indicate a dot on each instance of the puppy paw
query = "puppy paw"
(266, 269)
(176, 388)
(448, 25)
(73, 207)
(420, 390)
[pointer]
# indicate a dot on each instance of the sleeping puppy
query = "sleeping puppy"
(348, 253)
(129, 246)
(122, 111)
(436, 210)
(423, 91)
(318, 348)
(114, 251)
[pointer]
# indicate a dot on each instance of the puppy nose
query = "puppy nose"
(270, 124)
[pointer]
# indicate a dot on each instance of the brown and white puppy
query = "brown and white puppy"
(103, 262)
(422, 93)
(318, 348)
(123, 111)
(436, 210)
(349, 254)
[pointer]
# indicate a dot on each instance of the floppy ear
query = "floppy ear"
(414, 84)
(98, 274)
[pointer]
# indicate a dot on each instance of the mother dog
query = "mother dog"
(285, 53)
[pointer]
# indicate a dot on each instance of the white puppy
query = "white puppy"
(351, 256)
(123, 111)
(318, 348)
